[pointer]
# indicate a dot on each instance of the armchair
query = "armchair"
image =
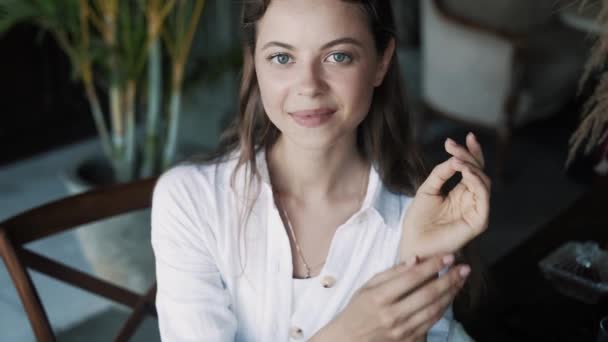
(497, 65)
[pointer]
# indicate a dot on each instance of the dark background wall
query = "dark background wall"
(41, 107)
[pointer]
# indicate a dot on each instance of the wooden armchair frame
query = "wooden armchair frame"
(60, 216)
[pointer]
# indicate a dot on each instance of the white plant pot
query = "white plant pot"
(118, 249)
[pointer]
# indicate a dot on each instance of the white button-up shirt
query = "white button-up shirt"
(220, 279)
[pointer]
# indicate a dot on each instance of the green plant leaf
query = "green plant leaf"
(13, 12)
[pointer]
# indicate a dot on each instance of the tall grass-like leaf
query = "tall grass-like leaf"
(179, 36)
(156, 15)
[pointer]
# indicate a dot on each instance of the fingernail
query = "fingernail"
(464, 271)
(448, 259)
(472, 135)
(450, 141)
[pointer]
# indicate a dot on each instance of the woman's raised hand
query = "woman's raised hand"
(399, 304)
(437, 224)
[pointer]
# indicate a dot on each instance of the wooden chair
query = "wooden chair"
(60, 216)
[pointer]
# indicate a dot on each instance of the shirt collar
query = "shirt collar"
(377, 197)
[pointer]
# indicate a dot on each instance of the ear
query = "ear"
(385, 61)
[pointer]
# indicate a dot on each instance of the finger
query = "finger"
(475, 169)
(431, 300)
(475, 180)
(394, 288)
(423, 329)
(475, 148)
(462, 153)
(423, 321)
(392, 272)
(480, 212)
(438, 176)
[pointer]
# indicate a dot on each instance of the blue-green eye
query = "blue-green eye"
(280, 58)
(341, 57)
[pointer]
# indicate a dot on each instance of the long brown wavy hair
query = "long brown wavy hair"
(384, 137)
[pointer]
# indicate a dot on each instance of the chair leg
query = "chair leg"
(128, 329)
(26, 290)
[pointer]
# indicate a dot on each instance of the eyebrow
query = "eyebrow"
(345, 40)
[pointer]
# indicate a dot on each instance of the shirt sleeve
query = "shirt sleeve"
(191, 300)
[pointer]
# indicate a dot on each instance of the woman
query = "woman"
(304, 227)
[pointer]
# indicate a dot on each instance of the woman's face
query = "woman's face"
(317, 66)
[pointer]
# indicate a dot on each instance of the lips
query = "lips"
(311, 112)
(312, 117)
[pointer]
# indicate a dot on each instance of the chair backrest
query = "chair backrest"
(63, 215)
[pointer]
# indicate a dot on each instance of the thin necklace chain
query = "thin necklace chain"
(295, 240)
(293, 234)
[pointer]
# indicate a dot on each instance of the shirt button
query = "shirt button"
(328, 281)
(296, 333)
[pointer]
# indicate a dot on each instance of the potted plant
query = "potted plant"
(117, 49)
(592, 133)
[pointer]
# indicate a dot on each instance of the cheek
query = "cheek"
(273, 89)
(355, 89)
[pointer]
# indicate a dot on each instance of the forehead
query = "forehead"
(302, 22)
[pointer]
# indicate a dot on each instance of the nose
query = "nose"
(310, 80)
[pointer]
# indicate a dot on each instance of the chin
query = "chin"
(315, 141)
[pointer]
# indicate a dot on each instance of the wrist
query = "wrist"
(408, 252)
(408, 248)
(334, 331)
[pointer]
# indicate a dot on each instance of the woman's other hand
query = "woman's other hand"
(436, 223)
(399, 304)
